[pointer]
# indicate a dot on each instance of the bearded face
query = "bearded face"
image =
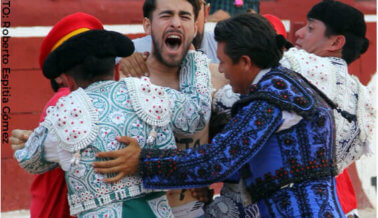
(172, 29)
(171, 48)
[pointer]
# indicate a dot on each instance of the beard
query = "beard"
(157, 53)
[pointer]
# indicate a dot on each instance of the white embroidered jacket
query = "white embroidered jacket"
(330, 75)
(87, 121)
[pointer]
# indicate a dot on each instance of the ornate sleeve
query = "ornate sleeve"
(31, 157)
(191, 107)
(240, 140)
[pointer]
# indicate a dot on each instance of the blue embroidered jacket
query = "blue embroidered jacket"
(288, 173)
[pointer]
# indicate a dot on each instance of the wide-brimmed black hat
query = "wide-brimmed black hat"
(98, 43)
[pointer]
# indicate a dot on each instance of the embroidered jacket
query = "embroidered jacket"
(288, 173)
(330, 75)
(87, 121)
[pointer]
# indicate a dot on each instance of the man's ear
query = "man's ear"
(195, 28)
(59, 81)
(147, 25)
(338, 42)
(207, 11)
(69, 82)
(246, 62)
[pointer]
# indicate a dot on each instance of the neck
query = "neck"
(254, 71)
(85, 84)
(337, 54)
(161, 74)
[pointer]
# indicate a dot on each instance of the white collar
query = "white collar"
(260, 75)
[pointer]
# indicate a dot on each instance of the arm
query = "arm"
(191, 106)
(31, 157)
(241, 139)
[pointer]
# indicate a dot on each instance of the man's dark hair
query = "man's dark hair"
(251, 35)
(150, 5)
(91, 68)
(342, 19)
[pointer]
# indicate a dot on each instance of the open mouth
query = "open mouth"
(173, 41)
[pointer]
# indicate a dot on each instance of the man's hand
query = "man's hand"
(134, 65)
(125, 161)
(204, 194)
(18, 138)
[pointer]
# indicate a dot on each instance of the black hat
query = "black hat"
(97, 43)
(340, 17)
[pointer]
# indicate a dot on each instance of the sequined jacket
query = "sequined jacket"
(116, 114)
(288, 173)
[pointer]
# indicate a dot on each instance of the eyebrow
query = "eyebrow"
(166, 12)
(171, 12)
(185, 13)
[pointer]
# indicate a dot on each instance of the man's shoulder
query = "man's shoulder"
(64, 91)
(285, 89)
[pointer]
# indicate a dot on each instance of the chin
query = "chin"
(173, 62)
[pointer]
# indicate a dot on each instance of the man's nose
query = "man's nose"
(176, 22)
(299, 33)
